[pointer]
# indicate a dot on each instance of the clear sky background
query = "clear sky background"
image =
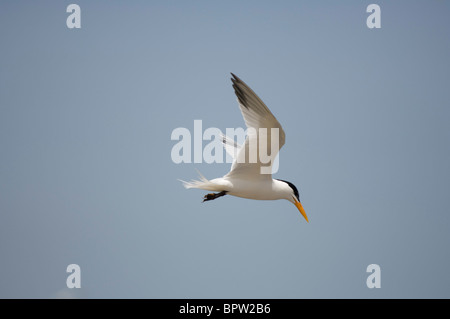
(86, 175)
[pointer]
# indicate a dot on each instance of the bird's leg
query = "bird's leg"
(212, 196)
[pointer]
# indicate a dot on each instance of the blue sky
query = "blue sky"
(86, 175)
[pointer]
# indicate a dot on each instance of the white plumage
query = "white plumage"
(245, 178)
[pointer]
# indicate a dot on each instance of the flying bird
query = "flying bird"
(245, 178)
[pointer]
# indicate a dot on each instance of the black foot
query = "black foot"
(212, 196)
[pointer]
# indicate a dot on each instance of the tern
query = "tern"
(245, 178)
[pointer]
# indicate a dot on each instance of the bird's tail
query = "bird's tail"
(202, 183)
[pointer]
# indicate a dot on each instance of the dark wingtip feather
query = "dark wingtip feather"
(235, 78)
(240, 95)
(237, 85)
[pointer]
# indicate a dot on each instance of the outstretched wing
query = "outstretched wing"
(257, 117)
(231, 146)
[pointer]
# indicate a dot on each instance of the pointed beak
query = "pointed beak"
(300, 208)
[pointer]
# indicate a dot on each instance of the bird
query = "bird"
(245, 178)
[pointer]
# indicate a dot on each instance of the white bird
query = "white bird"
(245, 178)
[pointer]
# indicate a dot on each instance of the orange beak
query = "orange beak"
(300, 208)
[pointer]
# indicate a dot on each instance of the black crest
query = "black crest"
(293, 188)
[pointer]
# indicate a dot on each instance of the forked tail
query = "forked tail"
(202, 183)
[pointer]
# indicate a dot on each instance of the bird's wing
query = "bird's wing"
(259, 121)
(231, 146)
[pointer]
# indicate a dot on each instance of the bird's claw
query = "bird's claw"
(208, 197)
(212, 196)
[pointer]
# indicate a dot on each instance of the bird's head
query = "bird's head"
(294, 197)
